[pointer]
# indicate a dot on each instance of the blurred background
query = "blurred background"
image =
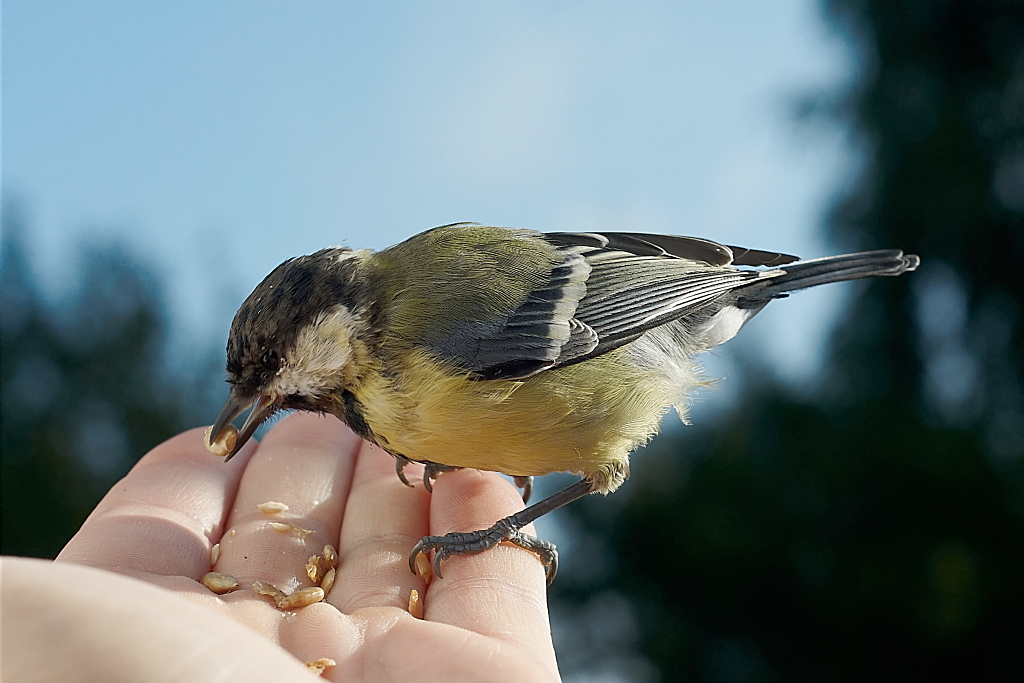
(847, 506)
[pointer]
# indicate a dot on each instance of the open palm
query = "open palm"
(486, 620)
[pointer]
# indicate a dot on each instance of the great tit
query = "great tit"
(505, 349)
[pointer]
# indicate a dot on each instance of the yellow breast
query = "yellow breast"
(584, 418)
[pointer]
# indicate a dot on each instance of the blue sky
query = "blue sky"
(219, 138)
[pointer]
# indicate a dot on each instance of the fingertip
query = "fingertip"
(467, 499)
(502, 591)
(314, 427)
(160, 517)
(190, 446)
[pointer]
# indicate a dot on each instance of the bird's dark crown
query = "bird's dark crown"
(267, 324)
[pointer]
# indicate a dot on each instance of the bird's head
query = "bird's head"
(290, 344)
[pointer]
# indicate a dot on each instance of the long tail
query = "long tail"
(803, 274)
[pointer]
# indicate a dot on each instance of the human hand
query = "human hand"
(145, 616)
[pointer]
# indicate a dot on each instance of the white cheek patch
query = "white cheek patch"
(320, 355)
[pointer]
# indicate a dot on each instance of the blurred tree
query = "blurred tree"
(876, 530)
(84, 390)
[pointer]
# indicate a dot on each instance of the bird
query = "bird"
(505, 349)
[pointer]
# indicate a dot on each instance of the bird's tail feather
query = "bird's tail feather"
(803, 274)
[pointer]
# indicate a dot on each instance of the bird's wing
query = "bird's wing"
(640, 281)
(693, 248)
(531, 337)
(495, 302)
(518, 302)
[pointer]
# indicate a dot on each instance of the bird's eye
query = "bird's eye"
(270, 360)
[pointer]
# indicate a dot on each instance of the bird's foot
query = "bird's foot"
(526, 484)
(506, 529)
(432, 471)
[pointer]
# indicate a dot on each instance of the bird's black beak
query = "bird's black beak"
(262, 408)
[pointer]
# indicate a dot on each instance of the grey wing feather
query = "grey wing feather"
(582, 341)
(754, 257)
(609, 289)
(694, 248)
(627, 295)
(642, 244)
(535, 335)
(639, 281)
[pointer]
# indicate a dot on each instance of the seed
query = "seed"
(415, 604)
(214, 554)
(331, 556)
(268, 590)
(313, 570)
(272, 507)
(318, 666)
(328, 581)
(301, 598)
(224, 444)
(423, 568)
(287, 526)
(219, 583)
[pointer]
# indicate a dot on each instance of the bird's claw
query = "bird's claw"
(457, 543)
(526, 484)
(400, 464)
(432, 471)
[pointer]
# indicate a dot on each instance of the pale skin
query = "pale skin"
(123, 600)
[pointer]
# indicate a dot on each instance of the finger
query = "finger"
(500, 592)
(161, 517)
(383, 520)
(93, 625)
(305, 462)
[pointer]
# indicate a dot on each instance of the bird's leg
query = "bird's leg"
(507, 529)
(526, 484)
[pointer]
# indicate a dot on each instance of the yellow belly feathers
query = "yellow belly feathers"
(584, 418)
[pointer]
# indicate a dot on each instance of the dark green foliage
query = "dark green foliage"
(873, 532)
(830, 547)
(84, 390)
